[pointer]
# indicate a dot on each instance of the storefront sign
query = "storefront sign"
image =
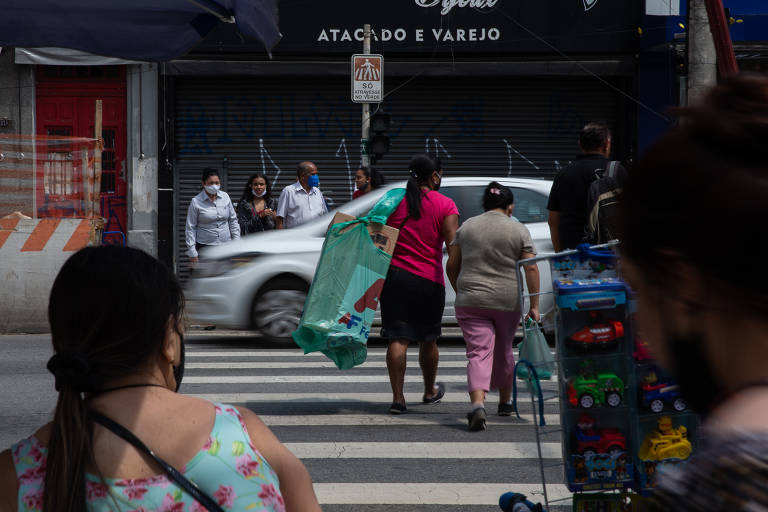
(367, 78)
(447, 5)
(450, 27)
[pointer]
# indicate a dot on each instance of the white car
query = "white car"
(261, 281)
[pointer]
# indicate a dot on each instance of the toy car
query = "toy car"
(598, 333)
(655, 394)
(665, 443)
(591, 441)
(642, 351)
(592, 388)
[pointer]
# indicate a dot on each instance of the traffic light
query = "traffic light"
(379, 141)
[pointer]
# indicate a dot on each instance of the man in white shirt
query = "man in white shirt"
(302, 201)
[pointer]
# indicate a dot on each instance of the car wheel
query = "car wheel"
(657, 405)
(679, 404)
(586, 401)
(277, 308)
(613, 399)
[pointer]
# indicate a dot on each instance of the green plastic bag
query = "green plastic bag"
(535, 350)
(345, 291)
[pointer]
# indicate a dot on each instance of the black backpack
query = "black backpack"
(603, 202)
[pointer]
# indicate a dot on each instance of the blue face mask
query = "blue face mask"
(314, 181)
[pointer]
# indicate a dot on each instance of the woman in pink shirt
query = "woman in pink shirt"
(413, 297)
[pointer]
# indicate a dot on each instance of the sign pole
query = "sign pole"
(365, 159)
(96, 224)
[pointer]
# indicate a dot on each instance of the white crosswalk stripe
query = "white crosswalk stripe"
(324, 415)
(464, 493)
(315, 420)
(378, 398)
(236, 354)
(298, 353)
(298, 379)
(299, 365)
(283, 365)
(423, 450)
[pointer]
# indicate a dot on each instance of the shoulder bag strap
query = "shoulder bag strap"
(190, 487)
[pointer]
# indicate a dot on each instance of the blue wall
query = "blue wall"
(657, 89)
(658, 86)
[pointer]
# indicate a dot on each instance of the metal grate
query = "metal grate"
(523, 126)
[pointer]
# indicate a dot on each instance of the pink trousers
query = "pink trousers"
(489, 334)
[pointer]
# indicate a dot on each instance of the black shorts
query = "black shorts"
(411, 307)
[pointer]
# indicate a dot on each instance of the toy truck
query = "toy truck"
(592, 388)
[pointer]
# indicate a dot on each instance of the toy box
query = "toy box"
(598, 451)
(657, 392)
(663, 442)
(603, 502)
(589, 294)
(595, 383)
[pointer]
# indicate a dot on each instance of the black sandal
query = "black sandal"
(437, 397)
(397, 408)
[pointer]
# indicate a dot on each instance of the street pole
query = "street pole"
(702, 57)
(365, 159)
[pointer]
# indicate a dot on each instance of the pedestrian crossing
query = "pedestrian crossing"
(361, 457)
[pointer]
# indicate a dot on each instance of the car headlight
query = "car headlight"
(216, 268)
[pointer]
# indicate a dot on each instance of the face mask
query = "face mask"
(213, 189)
(314, 180)
(260, 195)
(437, 187)
(693, 372)
(178, 371)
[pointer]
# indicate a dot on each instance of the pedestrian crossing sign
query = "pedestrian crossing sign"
(367, 78)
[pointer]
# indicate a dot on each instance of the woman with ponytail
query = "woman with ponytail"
(413, 297)
(116, 325)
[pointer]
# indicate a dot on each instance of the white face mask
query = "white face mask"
(213, 189)
(263, 193)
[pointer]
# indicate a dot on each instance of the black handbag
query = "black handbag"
(189, 486)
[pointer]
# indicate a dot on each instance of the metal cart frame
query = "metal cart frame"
(522, 295)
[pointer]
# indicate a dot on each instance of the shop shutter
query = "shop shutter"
(507, 126)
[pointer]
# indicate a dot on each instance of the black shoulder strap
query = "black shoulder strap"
(186, 484)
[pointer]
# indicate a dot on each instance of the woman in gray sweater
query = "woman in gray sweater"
(482, 271)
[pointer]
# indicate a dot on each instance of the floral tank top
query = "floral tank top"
(227, 468)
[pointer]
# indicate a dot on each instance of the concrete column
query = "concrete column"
(702, 58)
(142, 156)
(17, 95)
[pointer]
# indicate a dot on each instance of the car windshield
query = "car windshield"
(530, 206)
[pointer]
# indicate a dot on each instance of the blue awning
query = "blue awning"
(148, 30)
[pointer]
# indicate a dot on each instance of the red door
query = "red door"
(66, 106)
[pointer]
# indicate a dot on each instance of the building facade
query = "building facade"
(493, 88)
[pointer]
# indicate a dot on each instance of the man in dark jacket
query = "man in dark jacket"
(568, 209)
